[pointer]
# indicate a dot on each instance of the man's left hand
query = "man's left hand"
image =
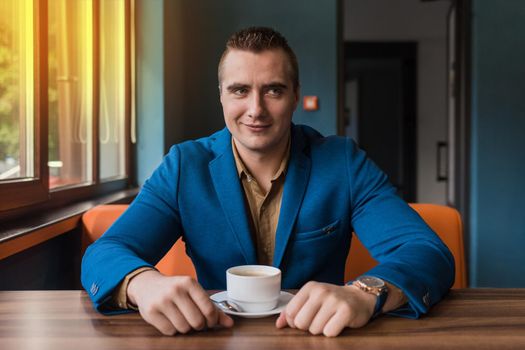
(327, 309)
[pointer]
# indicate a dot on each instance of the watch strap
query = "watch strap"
(380, 302)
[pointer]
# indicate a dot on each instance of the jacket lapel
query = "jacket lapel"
(295, 185)
(227, 185)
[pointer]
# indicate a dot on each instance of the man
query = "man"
(267, 191)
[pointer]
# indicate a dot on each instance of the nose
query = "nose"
(256, 106)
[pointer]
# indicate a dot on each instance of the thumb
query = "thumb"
(225, 320)
(281, 321)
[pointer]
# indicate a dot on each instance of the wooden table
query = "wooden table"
(466, 319)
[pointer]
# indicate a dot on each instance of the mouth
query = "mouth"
(257, 127)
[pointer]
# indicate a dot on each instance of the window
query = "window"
(112, 90)
(65, 99)
(16, 90)
(70, 92)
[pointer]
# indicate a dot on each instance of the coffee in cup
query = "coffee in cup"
(254, 288)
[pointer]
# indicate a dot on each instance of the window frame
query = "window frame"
(22, 196)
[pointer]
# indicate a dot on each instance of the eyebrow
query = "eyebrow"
(276, 85)
(272, 85)
(236, 86)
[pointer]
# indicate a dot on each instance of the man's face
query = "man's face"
(258, 99)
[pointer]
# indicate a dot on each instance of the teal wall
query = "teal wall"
(497, 241)
(150, 90)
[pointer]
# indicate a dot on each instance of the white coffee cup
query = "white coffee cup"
(254, 288)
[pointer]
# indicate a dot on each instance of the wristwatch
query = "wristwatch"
(376, 286)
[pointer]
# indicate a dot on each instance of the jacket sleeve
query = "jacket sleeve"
(410, 255)
(140, 237)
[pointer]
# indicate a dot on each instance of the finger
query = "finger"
(159, 321)
(336, 324)
(225, 320)
(203, 302)
(321, 319)
(306, 314)
(281, 321)
(191, 312)
(177, 319)
(294, 306)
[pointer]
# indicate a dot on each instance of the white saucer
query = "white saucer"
(284, 298)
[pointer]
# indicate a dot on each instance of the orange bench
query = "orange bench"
(445, 221)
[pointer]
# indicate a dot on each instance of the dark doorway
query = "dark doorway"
(380, 107)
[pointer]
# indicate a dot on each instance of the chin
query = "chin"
(257, 146)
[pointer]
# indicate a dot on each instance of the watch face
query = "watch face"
(372, 282)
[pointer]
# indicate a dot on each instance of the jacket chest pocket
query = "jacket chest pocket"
(326, 231)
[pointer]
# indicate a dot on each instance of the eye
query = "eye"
(240, 91)
(275, 92)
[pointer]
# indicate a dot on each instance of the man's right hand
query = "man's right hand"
(174, 304)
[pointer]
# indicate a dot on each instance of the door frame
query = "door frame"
(406, 52)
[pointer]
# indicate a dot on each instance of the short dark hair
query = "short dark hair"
(258, 39)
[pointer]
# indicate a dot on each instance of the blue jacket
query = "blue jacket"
(331, 188)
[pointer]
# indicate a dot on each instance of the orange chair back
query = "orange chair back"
(97, 220)
(445, 221)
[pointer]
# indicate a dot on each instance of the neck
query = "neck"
(263, 165)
